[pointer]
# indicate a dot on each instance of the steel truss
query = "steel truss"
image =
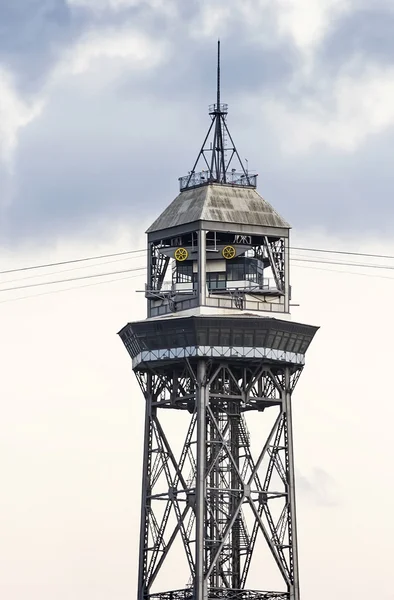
(219, 494)
(221, 594)
(273, 250)
(214, 156)
(158, 263)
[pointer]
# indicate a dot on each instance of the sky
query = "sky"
(103, 105)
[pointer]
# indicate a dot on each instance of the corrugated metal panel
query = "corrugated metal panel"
(223, 203)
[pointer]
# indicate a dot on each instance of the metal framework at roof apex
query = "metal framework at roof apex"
(215, 157)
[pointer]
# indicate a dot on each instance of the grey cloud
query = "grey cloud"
(112, 155)
(319, 487)
(96, 163)
(365, 34)
(85, 161)
(32, 33)
(343, 193)
(117, 154)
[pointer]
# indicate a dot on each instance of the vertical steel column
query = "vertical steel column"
(201, 401)
(295, 589)
(202, 269)
(235, 496)
(287, 274)
(149, 278)
(213, 499)
(146, 483)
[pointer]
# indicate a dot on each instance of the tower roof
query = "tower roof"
(219, 203)
(219, 189)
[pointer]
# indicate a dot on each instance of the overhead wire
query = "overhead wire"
(67, 262)
(344, 272)
(89, 266)
(143, 250)
(326, 250)
(293, 259)
(41, 283)
(75, 287)
(122, 271)
(344, 264)
(118, 279)
(296, 258)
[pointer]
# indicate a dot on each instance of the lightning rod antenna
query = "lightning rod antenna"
(218, 75)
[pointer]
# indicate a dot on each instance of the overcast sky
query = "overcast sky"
(103, 105)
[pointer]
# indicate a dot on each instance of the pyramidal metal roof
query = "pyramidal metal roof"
(219, 203)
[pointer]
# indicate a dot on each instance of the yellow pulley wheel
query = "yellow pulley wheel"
(228, 252)
(181, 254)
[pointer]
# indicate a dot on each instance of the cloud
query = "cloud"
(126, 47)
(15, 113)
(309, 21)
(98, 6)
(342, 115)
(211, 20)
(99, 48)
(101, 5)
(305, 22)
(111, 9)
(123, 107)
(100, 58)
(33, 35)
(318, 486)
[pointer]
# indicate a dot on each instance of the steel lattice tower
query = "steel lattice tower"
(217, 351)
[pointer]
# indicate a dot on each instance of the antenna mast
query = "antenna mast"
(218, 78)
(215, 163)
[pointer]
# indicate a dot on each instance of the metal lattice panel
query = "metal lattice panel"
(220, 594)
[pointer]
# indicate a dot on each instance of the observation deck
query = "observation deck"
(235, 178)
(218, 109)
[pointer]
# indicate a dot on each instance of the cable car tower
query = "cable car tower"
(217, 360)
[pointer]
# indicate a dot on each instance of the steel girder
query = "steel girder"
(220, 594)
(219, 493)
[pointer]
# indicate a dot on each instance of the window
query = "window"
(235, 271)
(260, 338)
(297, 346)
(237, 338)
(213, 337)
(225, 337)
(216, 281)
(184, 273)
(248, 338)
(245, 269)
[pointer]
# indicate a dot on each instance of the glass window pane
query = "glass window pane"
(237, 338)
(260, 338)
(297, 346)
(248, 338)
(270, 340)
(214, 337)
(225, 337)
